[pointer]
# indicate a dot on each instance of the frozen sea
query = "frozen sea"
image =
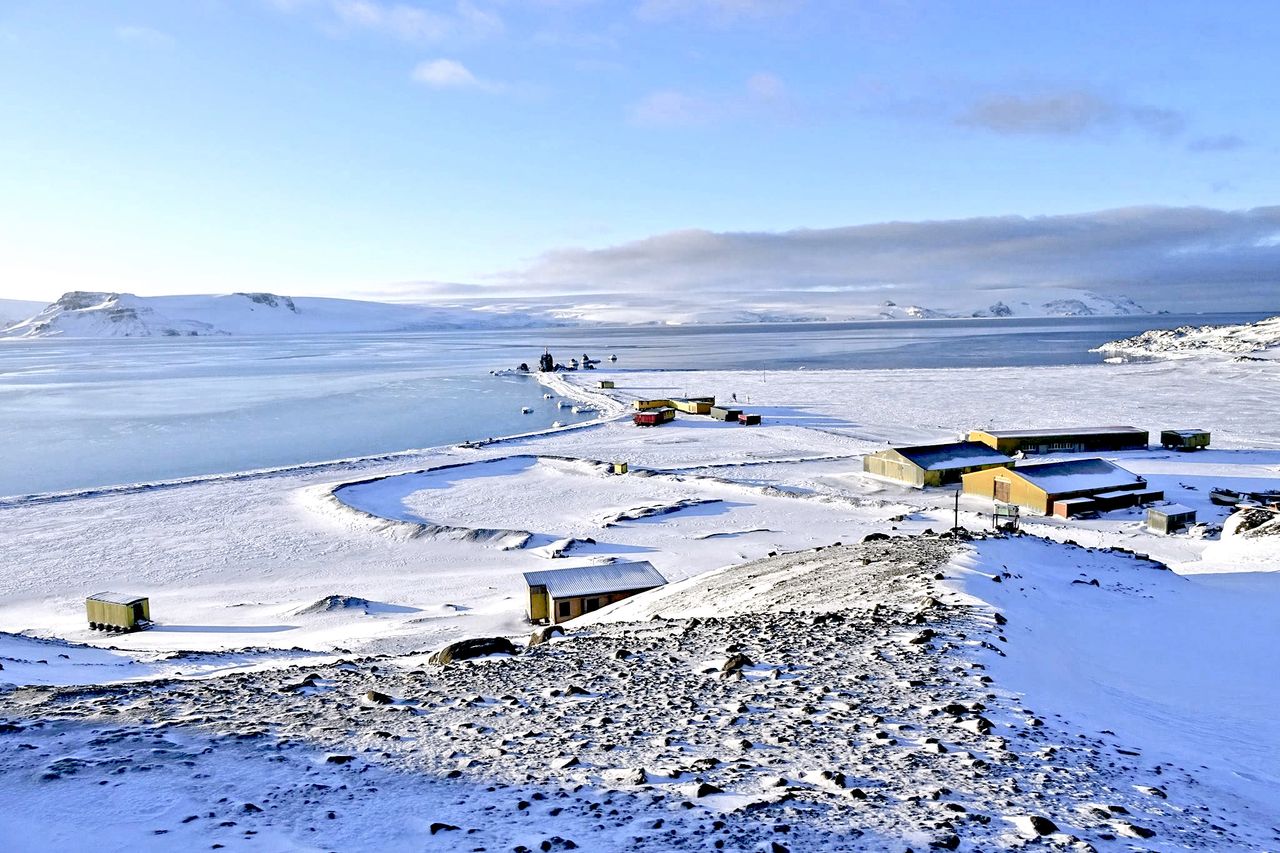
(77, 414)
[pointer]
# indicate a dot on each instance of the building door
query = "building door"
(138, 615)
(1002, 489)
(538, 603)
(591, 604)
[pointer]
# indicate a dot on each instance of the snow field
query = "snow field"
(1093, 696)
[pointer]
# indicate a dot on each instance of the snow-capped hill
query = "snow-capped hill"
(91, 314)
(1091, 305)
(1251, 340)
(1040, 302)
(82, 314)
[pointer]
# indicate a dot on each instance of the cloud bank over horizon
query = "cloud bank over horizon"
(1163, 257)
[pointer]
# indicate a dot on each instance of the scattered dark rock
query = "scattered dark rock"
(1132, 830)
(1042, 825)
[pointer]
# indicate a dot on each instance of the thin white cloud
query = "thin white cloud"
(415, 22)
(1213, 144)
(1066, 113)
(450, 74)
(764, 86)
(761, 93)
(478, 21)
(721, 11)
(145, 36)
(399, 20)
(670, 108)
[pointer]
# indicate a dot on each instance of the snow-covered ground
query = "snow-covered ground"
(1246, 340)
(1173, 660)
(1150, 680)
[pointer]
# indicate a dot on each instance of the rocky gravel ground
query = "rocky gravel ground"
(849, 710)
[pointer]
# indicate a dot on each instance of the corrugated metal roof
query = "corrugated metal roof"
(1077, 475)
(117, 597)
(596, 580)
(1056, 433)
(1172, 509)
(955, 454)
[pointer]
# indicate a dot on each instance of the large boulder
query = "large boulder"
(477, 647)
(544, 635)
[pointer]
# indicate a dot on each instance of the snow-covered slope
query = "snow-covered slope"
(16, 310)
(1259, 340)
(82, 314)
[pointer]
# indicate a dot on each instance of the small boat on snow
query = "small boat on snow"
(526, 410)
(1225, 497)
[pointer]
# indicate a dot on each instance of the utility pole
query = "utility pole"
(956, 525)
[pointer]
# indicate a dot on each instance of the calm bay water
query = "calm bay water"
(79, 414)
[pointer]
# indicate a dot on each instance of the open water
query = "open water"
(85, 413)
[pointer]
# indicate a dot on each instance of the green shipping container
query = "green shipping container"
(111, 611)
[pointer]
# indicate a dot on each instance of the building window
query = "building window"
(592, 604)
(562, 609)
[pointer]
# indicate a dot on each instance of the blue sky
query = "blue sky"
(369, 147)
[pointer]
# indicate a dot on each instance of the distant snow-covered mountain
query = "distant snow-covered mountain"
(830, 306)
(1260, 340)
(82, 314)
(1020, 303)
(88, 314)
(16, 310)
